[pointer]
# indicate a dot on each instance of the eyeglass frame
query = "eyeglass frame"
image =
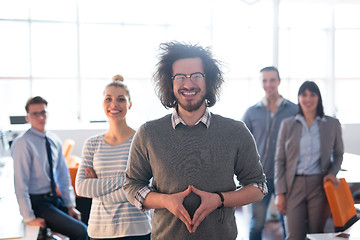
(38, 114)
(188, 76)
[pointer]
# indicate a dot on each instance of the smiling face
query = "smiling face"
(308, 101)
(189, 94)
(270, 83)
(37, 116)
(116, 103)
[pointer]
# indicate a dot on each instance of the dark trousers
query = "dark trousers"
(142, 237)
(56, 217)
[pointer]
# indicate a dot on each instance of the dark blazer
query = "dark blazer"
(287, 150)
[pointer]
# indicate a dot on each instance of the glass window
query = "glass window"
(347, 16)
(14, 9)
(54, 50)
(347, 97)
(54, 10)
(14, 49)
(62, 96)
(303, 53)
(67, 51)
(347, 52)
(110, 49)
(305, 14)
(13, 96)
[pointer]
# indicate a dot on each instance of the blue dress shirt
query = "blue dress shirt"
(31, 170)
(309, 151)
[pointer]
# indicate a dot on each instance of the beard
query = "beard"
(188, 106)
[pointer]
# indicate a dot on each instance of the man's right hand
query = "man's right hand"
(38, 222)
(174, 203)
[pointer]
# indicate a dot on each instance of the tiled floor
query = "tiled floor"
(11, 224)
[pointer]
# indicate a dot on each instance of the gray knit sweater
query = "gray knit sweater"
(204, 157)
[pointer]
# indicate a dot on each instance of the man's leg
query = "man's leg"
(57, 220)
(259, 211)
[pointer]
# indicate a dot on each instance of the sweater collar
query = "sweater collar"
(176, 119)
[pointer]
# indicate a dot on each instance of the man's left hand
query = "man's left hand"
(209, 202)
(73, 212)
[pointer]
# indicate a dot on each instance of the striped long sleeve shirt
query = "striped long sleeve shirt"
(111, 215)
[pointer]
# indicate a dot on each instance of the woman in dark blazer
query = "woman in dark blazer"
(309, 153)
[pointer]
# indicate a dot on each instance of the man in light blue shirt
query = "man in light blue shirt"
(39, 166)
(263, 120)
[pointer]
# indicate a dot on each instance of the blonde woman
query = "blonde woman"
(101, 173)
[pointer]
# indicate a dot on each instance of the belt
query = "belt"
(306, 175)
(301, 175)
(42, 195)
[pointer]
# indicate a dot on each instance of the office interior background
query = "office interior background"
(68, 50)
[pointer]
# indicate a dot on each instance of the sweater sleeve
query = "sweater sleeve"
(248, 168)
(138, 172)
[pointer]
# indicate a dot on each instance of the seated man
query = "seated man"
(39, 166)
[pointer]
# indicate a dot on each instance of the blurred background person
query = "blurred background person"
(263, 120)
(40, 167)
(309, 153)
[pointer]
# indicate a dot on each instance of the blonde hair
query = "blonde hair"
(118, 81)
(118, 77)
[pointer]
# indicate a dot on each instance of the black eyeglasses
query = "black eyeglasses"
(38, 114)
(195, 77)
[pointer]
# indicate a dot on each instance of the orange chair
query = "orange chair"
(72, 161)
(341, 204)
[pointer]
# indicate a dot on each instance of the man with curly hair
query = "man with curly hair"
(183, 164)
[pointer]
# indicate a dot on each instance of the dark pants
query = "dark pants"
(142, 237)
(56, 218)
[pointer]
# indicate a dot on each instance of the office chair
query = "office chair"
(82, 204)
(341, 205)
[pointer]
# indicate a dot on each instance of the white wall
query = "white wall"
(351, 138)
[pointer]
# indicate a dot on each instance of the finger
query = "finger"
(195, 190)
(184, 213)
(185, 220)
(200, 216)
(197, 214)
(43, 225)
(187, 191)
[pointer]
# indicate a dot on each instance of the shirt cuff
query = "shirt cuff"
(140, 197)
(262, 186)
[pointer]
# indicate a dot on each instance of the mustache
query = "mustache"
(191, 89)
